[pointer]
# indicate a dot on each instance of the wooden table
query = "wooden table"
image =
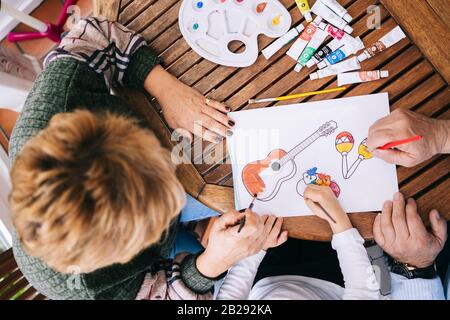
(417, 82)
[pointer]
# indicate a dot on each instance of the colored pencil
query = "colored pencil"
(326, 212)
(399, 143)
(295, 96)
(242, 221)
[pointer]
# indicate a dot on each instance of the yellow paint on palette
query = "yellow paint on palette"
(276, 21)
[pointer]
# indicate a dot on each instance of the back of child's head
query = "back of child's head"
(91, 190)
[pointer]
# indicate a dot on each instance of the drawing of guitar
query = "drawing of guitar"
(265, 177)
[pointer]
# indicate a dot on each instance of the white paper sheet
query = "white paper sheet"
(305, 126)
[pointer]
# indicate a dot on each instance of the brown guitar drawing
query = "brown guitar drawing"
(265, 177)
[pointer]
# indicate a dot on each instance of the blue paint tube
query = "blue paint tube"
(341, 54)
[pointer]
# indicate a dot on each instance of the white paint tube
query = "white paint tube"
(282, 41)
(338, 9)
(361, 76)
(344, 66)
(393, 37)
(342, 53)
(341, 38)
(300, 44)
(316, 41)
(320, 9)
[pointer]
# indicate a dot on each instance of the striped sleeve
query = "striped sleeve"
(108, 48)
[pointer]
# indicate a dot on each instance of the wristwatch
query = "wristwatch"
(412, 272)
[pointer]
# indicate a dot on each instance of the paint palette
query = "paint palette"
(211, 26)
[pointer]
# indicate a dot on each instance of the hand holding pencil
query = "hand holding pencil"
(407, 138)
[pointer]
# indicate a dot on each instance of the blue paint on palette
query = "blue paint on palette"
(199, 4)
(195, 26)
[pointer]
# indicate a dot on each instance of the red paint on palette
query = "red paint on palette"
(261, 7)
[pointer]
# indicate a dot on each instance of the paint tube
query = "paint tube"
(324, 51)
(341, 38)
(338, 9)
(342, 53)
(394, 36)
(344, 66)
(327, 14)
(315, 42)
(361, 76)
(304, 8)
(300, 44)
(282, 41)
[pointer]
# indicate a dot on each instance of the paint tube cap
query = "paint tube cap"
(384, 74)
(310, 63)
(308, 16)
(347, 17)
(314, 76)
(321, 64)
(318, 20)
(322, 25)
(362, 57)
(300, 28)
(298, 67)
(358, 44)
(348, 29)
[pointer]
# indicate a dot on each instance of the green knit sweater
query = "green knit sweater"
(67, 84)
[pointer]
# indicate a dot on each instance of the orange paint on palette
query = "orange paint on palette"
(261, 7)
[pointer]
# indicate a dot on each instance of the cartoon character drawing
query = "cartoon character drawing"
(344, 144)
(311, 176)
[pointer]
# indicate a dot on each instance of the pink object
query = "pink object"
(53, 32)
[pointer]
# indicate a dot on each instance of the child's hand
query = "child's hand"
(275, 236)
(325, 197)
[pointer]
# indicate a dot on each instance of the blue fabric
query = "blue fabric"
(192, 211)
(195, 210)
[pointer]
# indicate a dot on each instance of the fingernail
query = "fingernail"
(229, 133)
(398, 196)
(218, 139)
(227, 108)
(437, 215)
(387, 204)
(231, 123)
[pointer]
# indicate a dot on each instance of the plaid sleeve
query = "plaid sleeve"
(108, 48)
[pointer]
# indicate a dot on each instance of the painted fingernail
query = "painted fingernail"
(231, 123)
(217, 139)
(229, 133)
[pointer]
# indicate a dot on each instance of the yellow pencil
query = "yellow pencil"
(295, 96)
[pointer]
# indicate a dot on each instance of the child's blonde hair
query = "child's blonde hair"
(91, 190)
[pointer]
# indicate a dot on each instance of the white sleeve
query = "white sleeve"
(403, 288)
(359, 277)
(239, 280)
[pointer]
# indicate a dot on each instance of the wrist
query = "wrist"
(342, 223)
(159, 82)
(442, 136)
(209, 266)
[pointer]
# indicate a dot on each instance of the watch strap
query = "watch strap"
(381, 268)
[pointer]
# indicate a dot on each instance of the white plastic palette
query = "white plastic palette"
(209, 26)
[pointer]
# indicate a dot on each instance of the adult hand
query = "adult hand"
(186, 109)
(325, 197)
(399, 230)
(402, 124)
(226, 245)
